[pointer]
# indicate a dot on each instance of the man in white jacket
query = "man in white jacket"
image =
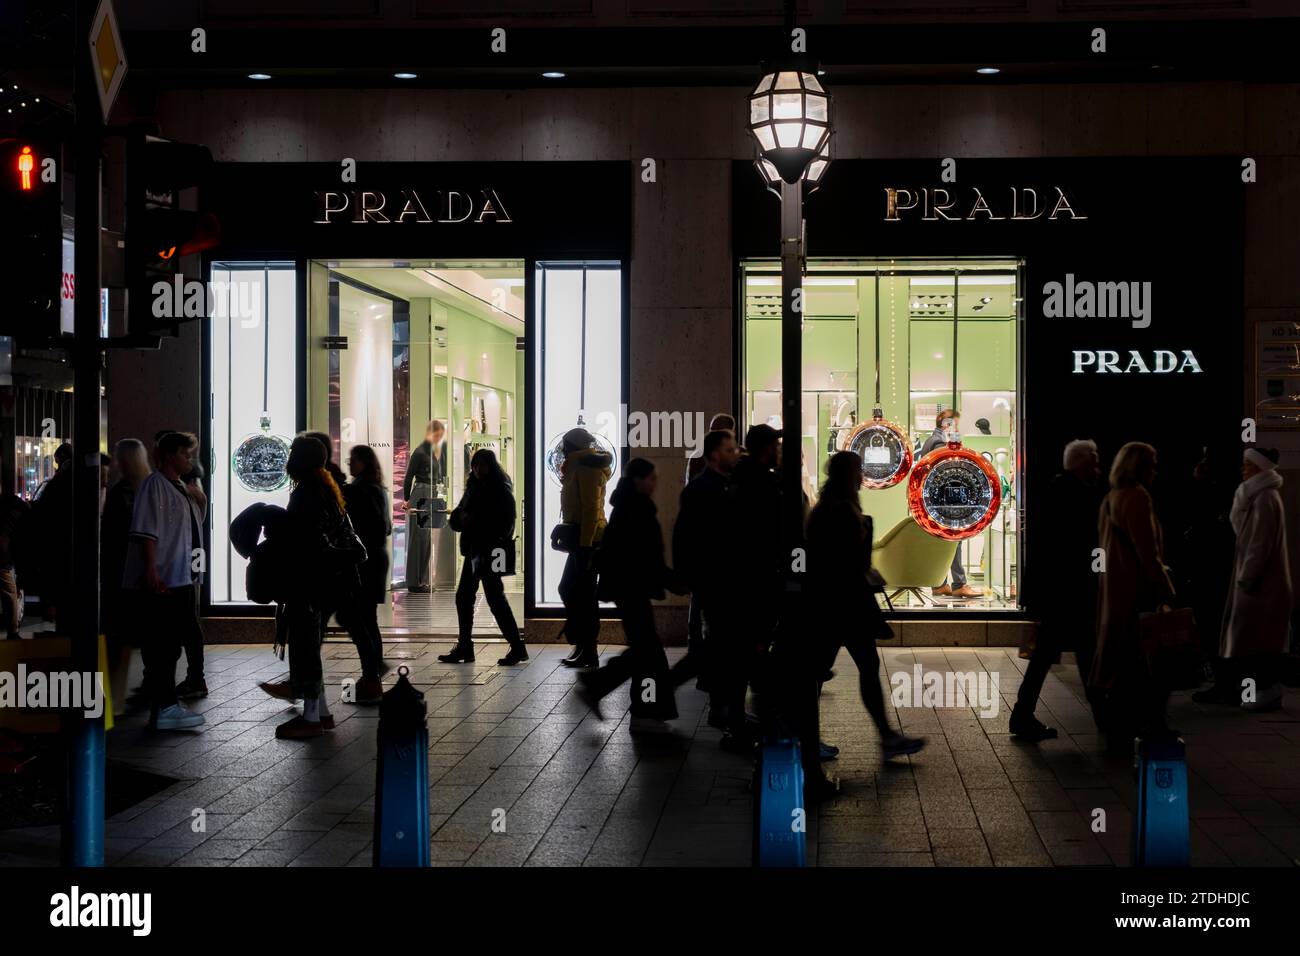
(1258, 613)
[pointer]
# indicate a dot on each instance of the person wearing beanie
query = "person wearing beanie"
(583, 476)
(1256, 620)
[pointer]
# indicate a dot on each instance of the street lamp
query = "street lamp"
(790, 120)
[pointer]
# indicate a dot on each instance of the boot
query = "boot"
(517, 654)
(1028, 727)
(462, 653)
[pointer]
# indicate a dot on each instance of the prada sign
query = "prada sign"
(932, 203)
(409, 205)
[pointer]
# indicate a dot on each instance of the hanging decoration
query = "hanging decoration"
(954, 492)
(259, 460)
(883, 446)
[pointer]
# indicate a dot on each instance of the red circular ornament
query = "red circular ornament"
(885, 452)
(953, 492)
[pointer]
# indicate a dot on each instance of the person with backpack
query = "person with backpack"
(485, 520)
(325, 552)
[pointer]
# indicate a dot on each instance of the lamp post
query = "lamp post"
(789, 118)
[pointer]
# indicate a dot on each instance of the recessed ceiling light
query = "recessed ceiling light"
(988, 70)
(553, 75)
(403, 76)
(259, 76)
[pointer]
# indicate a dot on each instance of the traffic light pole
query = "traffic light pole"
(83, 835)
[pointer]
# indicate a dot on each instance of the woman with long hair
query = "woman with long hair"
(485, 519)
(632, 574)
(372, 516)
(1129, 701)
(839, 558)
(320, 532)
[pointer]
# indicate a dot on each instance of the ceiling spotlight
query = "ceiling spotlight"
(403, 76)
(553, 75)
(259, 76)
(988, 70)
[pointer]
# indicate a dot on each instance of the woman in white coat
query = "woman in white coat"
(1255, 621)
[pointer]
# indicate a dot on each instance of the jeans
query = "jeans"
(166, 620)
(644, 660)
(956, 573)
(494, 591)
(581, 608)
(192, 641)
(306, 673)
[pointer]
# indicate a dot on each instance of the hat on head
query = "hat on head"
(1265, 459)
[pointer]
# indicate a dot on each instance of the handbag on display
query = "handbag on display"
(1170, 647)
(564, 537)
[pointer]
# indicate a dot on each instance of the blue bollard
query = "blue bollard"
(780, 817)
(1161, 834)
(402, 778)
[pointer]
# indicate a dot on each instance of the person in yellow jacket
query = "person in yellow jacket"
(584, 474)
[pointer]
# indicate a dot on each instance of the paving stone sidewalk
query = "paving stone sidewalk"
(576, 790)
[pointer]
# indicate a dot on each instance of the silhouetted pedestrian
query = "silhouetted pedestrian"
(704, 556)
(584, 474)
(371, 513)
(485, 519)
(119, 626)
(839, 540)
(14, 513)
(326, 553)
(632, 574)
(694, 619)
(1064, 593)
(1129, 700)
(1257, 617)
(426, 471)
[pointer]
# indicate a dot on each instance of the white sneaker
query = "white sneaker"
(649, 725)
(177, 717)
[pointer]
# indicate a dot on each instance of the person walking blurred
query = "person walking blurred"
(584, 474)
(160, 575)
(1067, 603)
(1129, 700)
(119, 626)
(1258, 613)
(370, 510)
(485, 520)
(839, 540)
(14, 514)
(694, 619)
(632, 574)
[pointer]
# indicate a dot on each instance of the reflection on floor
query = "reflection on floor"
(435, 613)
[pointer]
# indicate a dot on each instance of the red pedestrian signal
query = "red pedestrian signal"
(26, 162)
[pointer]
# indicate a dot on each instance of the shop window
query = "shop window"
(579, 308)
(254, 375)
(911, 337)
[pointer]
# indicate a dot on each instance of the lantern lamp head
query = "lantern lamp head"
(790, 119)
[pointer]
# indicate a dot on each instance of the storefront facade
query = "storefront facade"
(490, 298)
(695, 218)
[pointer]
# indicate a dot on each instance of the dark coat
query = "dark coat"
(314, 519)
(704, 535)
(368, 509)
(269, 574)
(632, 552)
(1062, 586)
(114, 537)
(425, 468)
(485, 516)
(758, 530)
(839, 556)
(52, 539)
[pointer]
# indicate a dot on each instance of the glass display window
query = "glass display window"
(912, 338)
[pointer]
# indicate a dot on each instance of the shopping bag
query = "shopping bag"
(1170, 648)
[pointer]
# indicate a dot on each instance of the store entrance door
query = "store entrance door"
(424, 363)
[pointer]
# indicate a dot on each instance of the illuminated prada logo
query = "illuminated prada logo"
(1163, 362)
(932, 203)
(407, 205)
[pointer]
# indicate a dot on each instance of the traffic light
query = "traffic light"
(164, 227)
(31, 216)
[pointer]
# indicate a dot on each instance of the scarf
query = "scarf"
(1245, 495)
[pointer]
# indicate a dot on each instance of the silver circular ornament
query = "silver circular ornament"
(259, 463)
